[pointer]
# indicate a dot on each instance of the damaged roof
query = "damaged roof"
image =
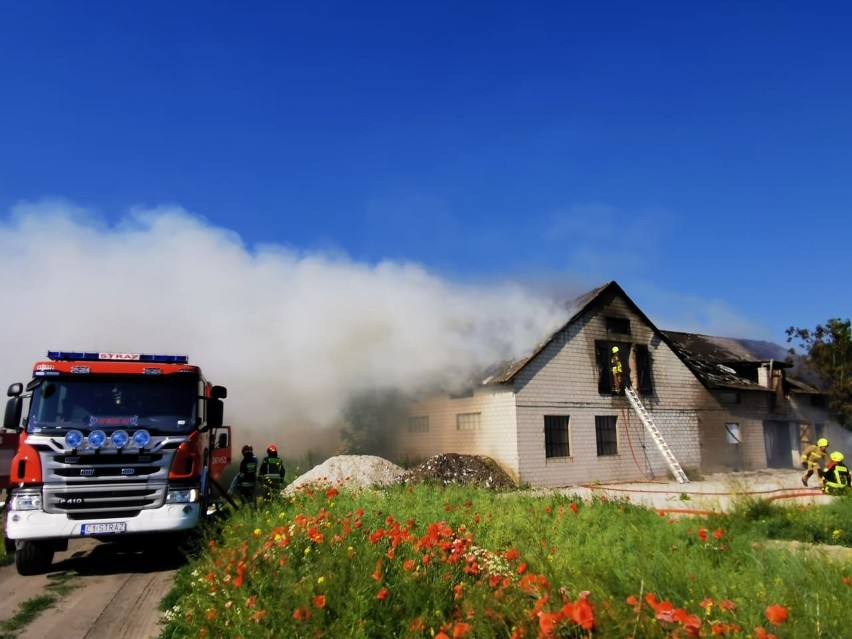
(717, 362)
(725, 362)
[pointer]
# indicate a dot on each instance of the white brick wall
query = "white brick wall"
(496, 439)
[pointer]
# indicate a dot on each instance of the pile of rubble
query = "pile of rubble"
(452, 468)
(365, 471)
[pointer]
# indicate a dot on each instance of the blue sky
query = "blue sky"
(697, 153)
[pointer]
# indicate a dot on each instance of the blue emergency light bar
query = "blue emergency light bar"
(117, 357)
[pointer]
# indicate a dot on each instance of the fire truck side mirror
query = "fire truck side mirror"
(12, 419)
(215, 414)
(15, 389)
(219, 392)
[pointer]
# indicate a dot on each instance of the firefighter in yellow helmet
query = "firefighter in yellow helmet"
(811, 458)
(835, 476)
(615, 366)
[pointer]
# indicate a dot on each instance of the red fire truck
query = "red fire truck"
(111, 445)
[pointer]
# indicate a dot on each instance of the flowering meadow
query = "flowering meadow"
(441, 562)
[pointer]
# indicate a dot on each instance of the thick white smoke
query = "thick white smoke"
(292, 335)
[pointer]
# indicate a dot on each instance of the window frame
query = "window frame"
(644, 369)
(418, 424)
(469, 422)
(603, 356)
(557, 436)
(616, 324)
(606, 435)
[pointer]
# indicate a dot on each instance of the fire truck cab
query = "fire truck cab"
(8, 446)
(110, 445)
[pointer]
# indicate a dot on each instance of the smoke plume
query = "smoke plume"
(293, 335)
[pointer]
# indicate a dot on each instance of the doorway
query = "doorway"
(776, 435)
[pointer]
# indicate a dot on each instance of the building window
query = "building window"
(729, 397)
(732, 433)
(645, 380)
(556, 436)
(619, 325)
(469, 421)
(606, 435)
(603, 358)
(418, 424)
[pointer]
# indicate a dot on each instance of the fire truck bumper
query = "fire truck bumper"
(37, 524)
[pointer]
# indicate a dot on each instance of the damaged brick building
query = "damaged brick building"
(553, 418)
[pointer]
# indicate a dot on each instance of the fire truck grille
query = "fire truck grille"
(107, 471)
(99, 468)
(109, 500)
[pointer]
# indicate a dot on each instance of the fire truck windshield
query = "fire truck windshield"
(164, 404)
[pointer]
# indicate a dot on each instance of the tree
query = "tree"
(828, 353)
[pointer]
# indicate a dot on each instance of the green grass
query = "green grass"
(416, 562)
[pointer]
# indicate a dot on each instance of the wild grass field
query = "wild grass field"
(434, 561)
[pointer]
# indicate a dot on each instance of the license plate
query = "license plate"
(103, 529)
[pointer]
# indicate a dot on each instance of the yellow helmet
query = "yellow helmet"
(822, 443)
(837, 456)
(615, 349)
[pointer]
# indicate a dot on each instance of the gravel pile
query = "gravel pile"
(349, 471)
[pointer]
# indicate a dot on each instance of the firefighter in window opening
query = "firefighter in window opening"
(811, 458)
(615, 363)
(271, 472)
(835, 476)
(245, 482)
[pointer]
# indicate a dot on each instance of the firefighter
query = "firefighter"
(271, 472)
(835, 476)
(246, 480)
(811, 458)
(615, 363)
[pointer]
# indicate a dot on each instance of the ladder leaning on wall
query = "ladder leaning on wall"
(651, 427)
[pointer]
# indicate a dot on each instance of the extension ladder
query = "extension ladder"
(651, 427)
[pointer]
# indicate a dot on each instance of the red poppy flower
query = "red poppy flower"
(776, 615)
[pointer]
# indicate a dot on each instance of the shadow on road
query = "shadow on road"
(116, 558)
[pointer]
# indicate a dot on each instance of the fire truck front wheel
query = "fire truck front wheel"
(33, 557)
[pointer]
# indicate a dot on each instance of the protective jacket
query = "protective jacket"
(812, 456)
(247, 479)
(616, 364)
(272, 471)
(835, 479)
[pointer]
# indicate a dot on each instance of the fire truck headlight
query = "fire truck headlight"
(119, 438)
(97, 438)
(73, 439)
(26, 500)
(182, 496)
(141, 438)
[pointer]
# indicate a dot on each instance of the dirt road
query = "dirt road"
(116, 595)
